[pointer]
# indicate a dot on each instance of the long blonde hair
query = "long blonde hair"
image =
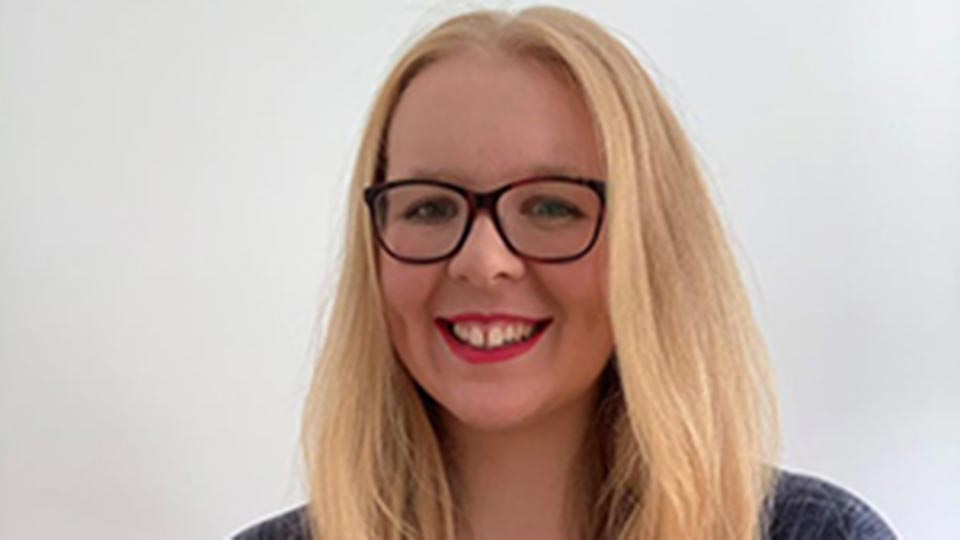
(688, 431)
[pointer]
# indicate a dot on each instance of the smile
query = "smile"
(482, 340)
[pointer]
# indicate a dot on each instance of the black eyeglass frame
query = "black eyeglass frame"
(477, 201)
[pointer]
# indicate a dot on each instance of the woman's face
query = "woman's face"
(481, 120)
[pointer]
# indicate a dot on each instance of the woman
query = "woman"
(540, 331)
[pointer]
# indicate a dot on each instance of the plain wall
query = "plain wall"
(172, 187)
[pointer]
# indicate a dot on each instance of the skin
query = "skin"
(482, 119)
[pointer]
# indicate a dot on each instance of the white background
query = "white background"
(172, 178)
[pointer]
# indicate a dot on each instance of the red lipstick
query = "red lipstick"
(503, 353)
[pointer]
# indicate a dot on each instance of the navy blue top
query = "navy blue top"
(804, 508)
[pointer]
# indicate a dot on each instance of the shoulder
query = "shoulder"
(290, 525)
(805, 507)
(802, 507)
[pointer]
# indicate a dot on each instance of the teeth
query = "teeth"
(496, 335)
(476, 336)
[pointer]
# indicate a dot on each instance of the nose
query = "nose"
(484, 259)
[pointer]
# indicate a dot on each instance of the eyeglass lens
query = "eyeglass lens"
(539, 219)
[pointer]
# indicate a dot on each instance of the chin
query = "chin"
(492, 413)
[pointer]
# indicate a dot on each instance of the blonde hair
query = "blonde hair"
(688, 429)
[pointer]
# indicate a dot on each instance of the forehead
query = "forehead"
(483, 118)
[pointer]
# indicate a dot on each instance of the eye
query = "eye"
(551, 208)
(433, 210)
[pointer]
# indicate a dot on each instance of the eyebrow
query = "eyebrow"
(534, 171)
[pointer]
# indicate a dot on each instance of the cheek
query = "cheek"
(580, 293)
(406, 293)
(581, 287)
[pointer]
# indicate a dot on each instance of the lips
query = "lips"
(492, 318)
(477, 355)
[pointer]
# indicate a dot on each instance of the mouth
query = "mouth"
(482, 343)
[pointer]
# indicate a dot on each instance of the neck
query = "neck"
(521, 482)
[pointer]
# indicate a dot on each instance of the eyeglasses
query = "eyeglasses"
(543, 219)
